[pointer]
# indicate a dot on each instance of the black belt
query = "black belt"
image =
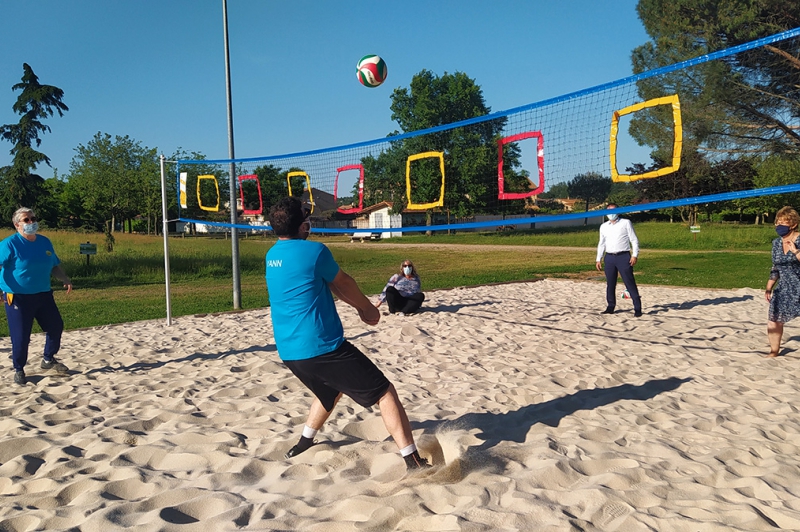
(620, 253)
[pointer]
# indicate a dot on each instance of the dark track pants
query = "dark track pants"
(399, 303)
(23, 310)
(621, 264)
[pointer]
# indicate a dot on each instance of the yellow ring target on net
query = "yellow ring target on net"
(289, 177)
(200, 178)
(677, 143)
(424, 155)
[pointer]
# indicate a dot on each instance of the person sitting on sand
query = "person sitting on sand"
(403, 292)
(783, 296)
(301, 278)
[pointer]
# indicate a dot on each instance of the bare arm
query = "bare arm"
(58, 273)
(345, 288)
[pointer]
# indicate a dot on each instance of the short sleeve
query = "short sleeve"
(327, 268)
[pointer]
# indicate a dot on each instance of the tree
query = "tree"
(21, 187)
(773, 171)
(117, 179)
(589, 187)
(470, 152)
(556, 191)
(622, 194)
(745, 104)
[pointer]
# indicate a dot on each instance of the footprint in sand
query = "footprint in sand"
(611, 516)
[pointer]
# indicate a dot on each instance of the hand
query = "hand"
(599, 266)
(378, 304)
(369, 315)
(633, 261)
(68, 286)
(768, 294)
(790, 246)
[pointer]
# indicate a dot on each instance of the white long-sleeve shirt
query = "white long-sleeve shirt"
(617, 237)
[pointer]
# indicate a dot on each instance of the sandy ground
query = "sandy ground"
(538, 412)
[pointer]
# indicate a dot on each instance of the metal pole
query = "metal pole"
(237, 290)
(165, 232)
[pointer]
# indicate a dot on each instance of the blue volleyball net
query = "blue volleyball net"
(491, 171)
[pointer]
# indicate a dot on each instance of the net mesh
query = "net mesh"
(481, 172)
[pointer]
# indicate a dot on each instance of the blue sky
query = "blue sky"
(155, 71)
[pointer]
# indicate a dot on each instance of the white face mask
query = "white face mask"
(30, 229)
(612, 217)
(407, 270)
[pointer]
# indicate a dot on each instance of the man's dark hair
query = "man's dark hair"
(287, 216)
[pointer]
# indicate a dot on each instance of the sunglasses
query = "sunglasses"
(29, 220)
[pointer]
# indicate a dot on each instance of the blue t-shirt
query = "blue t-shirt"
(26, 265)
(304, 318)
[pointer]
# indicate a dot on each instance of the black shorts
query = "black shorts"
(345, 370)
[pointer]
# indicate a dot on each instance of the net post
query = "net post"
(237, 290)
(165, 233)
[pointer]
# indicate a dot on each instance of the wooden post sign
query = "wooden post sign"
(88, 249)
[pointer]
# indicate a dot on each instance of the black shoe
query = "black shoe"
(415, 461)
(637, 314)
(54, 364)
(19, 378)
(303, 445)
(608, 310)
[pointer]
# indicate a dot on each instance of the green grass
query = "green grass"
(128, 284)
(652, 235)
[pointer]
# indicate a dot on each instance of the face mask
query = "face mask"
(782, 230)
(612, 217)
(407, 270)
(30, 229)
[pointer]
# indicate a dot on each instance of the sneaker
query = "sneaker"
(609, 310)
(54, 364)
(401, 314)
(19, 378)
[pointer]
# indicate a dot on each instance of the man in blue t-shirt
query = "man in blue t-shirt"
(302, 278)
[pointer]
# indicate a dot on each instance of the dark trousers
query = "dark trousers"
(621, 264)
(400, 303)
(23, 310)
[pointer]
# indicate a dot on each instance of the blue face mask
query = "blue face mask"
(30, 229)
(783, 230)
(612, 217)
(407, 270)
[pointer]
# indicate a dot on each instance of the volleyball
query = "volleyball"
(371, 71)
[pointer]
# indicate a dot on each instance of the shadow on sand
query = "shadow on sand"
(514, 425)
(655, 309)
(146, 366)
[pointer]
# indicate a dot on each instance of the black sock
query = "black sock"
(301, 446)
(304, 443)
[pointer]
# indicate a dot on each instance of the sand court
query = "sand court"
(539, 413)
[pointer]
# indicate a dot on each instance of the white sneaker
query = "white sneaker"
(401, 314)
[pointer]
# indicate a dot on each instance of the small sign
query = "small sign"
(88, 249)
(694, 228)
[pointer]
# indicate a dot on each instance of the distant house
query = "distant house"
(378, 216)
(569, 204)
